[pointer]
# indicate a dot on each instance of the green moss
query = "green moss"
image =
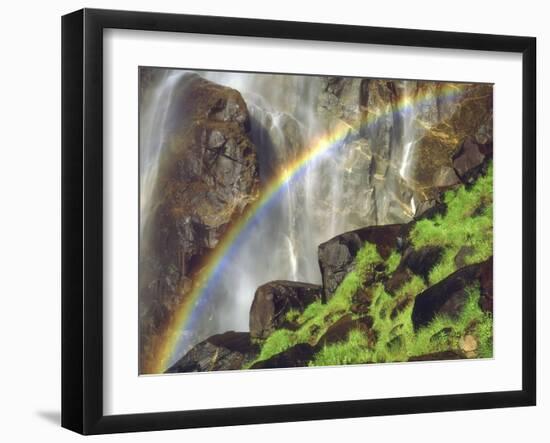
(353, 350)
(277, 342)
(367, 258)
(413, 287)
(292, 315)
(393, 262)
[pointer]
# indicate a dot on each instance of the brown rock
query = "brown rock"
(486, 286)
(467, 159)
(461, 256)
(399, 277)
(449, 296)
(336, 256)
(340, 329)
(421, 261)
(221, 352)
(297, 356)
(468, 343)
(273, 300)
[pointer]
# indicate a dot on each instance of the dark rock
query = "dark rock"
(336, 256)
(418, 262)
(399, 277)
(340, 329)
(486, 286)
(449, 295)
(297, 356)
(221, 352)
(207, 175)
(468, 160)
(361, 301)
(428, 209)
(463, 253)
(444, 355)
(421, 261)
(273, 300)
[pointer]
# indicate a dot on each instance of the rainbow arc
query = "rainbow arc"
(189, 310)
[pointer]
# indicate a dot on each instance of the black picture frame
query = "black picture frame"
(82, 220)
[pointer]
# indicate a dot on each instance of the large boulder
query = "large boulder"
(337, 256)
(448, 297)
(207, 173)
(273, 300)
(221, 352)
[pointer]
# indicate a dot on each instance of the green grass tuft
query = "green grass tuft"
(279, 341)
(393, 262)
(353, 350)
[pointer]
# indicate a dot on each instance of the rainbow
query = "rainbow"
(188, 311)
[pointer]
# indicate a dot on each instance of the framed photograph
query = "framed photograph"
(270, 221)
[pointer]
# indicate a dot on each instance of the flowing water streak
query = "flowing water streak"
(408, 137)
(153, 131)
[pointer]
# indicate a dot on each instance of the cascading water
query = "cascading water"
(408, 134)
(284, 123)
(154, 127)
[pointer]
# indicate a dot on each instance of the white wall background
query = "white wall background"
(30, 235)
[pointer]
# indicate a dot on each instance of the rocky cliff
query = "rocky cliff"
(207, 175)
(396, 127)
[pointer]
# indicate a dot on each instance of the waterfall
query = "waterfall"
(408, 133)
(153, 128)
(284, 246)
(284, 123)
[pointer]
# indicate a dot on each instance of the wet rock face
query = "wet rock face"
(449, 296)
(207, 175)
(336, 256)
(470, 118)
(273, 300)
(444, 116)
(222, 352)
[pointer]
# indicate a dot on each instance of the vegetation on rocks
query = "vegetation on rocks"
(464, 232)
